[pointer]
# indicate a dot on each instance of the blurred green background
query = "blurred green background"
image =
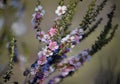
(105, 65)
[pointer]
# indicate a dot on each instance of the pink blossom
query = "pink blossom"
(66, 70)
(42, 60)
(42, 81)
(77, 38)
(53, 45)
(52, 31)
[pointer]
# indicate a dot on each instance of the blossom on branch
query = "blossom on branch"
(61, 10)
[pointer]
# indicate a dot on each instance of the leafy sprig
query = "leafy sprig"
(11, 49)
(103, 39)
(91, 14)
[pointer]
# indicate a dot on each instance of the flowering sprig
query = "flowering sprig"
(12, 53)
(53, 53)
(37, 16)
(91, 14)
(64, 22)
(58, 44)
(57, 32)
(69, 66)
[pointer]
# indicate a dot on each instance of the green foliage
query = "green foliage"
(103, 39)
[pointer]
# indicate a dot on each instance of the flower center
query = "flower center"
(52, 46)
(60, 11)
(47, 52)
(41, 35)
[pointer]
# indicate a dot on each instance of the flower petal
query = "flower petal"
(64, 8)
(59, 8)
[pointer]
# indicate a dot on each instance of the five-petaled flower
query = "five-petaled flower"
(40, 35)
(61, 10)
(42, 60)
(47, 52)
(52, 31)
(53, 45)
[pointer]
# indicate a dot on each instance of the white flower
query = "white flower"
(40, 36)
(72, 46)
(57, 80)
(72, 38)
(74, 32)
(77, 31)
(61, 10)
(65, 39)
(47, 37)
(81, 31)
(51, 69)
(32, 71)
(38, 8)
(68, 36)
(47, 52)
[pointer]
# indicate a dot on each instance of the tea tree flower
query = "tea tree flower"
(47, 52)
(53, 56)
(53, 45)
(38, 8)
(40, 35)
(65, 71)
(77, 31)
(42, 60)
(37, 16)
(52, 31)
(32, 71)
(61, 10)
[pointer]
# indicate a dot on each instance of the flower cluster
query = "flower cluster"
(70, 65)
(53, 56)
(73, 38)
(54, 52)
(58, 41)
(37, 16)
